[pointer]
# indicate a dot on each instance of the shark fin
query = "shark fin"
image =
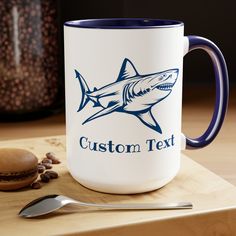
(127, 70)
(84, 90)
(148, 119)
(103, 112)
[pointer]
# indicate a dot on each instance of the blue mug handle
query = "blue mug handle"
(222, 90)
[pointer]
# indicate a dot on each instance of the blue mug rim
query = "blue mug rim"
(124, 23)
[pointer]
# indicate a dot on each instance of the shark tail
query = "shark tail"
(84, 89)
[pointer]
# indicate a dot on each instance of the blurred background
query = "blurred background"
(212, 19)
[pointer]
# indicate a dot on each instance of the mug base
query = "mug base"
(125, 189)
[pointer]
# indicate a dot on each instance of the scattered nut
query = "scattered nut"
(36, 185)
(52, 156)
(52, 174)
(46, 160)
(45, 178)
(41, 168)
(47, 165)
(56, 161)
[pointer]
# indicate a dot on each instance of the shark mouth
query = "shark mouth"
(165, 87)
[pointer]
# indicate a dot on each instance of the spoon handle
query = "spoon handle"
(140, 206)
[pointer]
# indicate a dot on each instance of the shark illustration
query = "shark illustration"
(131, 93)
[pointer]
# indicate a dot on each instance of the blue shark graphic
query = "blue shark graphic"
(131, 93)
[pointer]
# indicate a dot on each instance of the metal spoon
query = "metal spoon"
(49, 203)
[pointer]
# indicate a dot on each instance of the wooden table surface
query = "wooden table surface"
(213, 199)
(198, 103)
(219, 157)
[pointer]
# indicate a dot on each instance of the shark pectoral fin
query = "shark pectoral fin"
(103, 112)
(148, 119)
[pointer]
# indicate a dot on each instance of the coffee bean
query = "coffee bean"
(56, 161)
(36, 185)
(52, 174)
(47, 165)
(45, 178)
(29, 64)
(41, 168)
(51, 156)
(46, 160)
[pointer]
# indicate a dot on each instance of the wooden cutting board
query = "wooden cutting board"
(214, 201)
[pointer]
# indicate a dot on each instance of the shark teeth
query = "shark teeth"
(166, 86)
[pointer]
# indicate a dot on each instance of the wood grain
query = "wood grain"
(214, 200)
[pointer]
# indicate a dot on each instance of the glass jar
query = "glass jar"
(30, 85)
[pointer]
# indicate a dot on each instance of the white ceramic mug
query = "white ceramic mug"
(124, 99)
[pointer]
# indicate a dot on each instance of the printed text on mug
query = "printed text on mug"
(111, 147)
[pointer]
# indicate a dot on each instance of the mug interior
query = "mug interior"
(124, 23)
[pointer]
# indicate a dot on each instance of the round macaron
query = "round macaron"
(18, 168)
